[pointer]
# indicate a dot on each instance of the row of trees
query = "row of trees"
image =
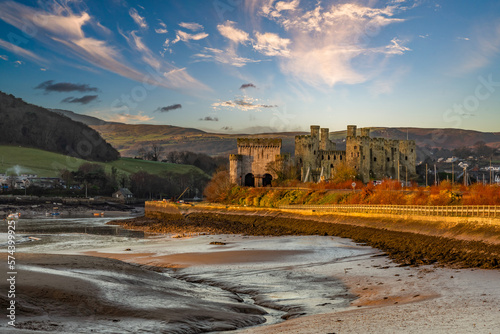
(91, 180)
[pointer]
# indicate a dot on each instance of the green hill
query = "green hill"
(21, 160)
(29, 125)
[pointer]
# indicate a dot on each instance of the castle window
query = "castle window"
(300, 160)
(355, 147)
(355, 167)
(352, 154)
(406, 157)
(314, 152)
(340, 157)
(334, 157)
(374, 158)
(331, 165)
(328, 156)
(322, 157)
(411, 150)
(358, 154)
(364, 157)
(388, 159)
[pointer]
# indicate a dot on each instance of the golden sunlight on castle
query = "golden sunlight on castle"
(316, 157)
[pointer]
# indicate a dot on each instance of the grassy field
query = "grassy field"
(47, 164)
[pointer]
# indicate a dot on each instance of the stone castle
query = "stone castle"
(316, 157)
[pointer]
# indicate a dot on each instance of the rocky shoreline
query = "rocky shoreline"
(405, 248)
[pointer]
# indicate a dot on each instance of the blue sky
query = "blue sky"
(258, 65)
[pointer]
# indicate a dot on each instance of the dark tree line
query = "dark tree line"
(142, 184)
(203, 161)
(28, 125)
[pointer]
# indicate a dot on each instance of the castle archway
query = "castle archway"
(249, 180)
(266, 180)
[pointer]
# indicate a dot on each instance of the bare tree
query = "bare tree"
(156, 152)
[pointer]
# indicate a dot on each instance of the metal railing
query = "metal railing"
(490, 211)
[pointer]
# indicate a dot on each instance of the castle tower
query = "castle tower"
(250, 166)
(235, 176)
(307, 153)
(315, 131)
(351, 131)
(407, 158)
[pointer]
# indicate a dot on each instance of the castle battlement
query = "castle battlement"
(258, 142)
(371, 157)
(317, 158)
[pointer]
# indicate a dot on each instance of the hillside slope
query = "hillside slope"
(24, 124)
(18, 160)
(85, 119)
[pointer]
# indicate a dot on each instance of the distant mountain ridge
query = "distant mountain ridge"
(128, 139)
(28, 125)
(85, 119)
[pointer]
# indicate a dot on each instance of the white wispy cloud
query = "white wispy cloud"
(283, 5)
(141, 21)
(227, 56)
(233, 34)
(243, 103)
(395, 48)
(191, 26)
(62, 31)
(4, 57)
(162, 29)
(18, 51)
(322, 42)
(186, 37)
(271, 44)
(463, 38)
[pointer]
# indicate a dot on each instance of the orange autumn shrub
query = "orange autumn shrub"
(418, 197)
(480, 194)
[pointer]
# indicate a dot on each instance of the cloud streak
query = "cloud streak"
(141, 21)
(169, 108)
(82, 100)
(243, 103)
(209, 119)
(64, 87)
(62, 30)
(186, 37)
(248, 85)
(19, 50)
(191, 26)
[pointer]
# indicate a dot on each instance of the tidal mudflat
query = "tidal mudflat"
(78, 282)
